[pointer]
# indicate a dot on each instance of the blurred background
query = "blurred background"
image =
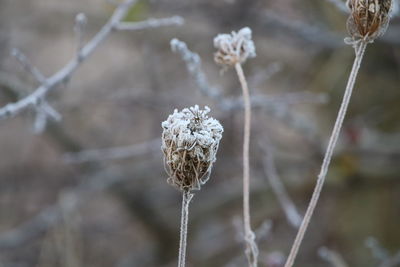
(64, 202)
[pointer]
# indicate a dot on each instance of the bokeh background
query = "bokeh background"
(107, 209)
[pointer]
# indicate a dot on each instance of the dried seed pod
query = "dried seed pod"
(234, 48)
(368, 19)
(190, 142)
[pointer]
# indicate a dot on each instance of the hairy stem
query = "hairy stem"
(251, 246)
(186, 197)
(360, 50)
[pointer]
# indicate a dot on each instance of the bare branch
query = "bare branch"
(381, 254)
(292, 215)
(193, 64)
(50, 111)
(40, 121)
(27, 65)
(30, 229)
(150, 23)
(43, 109)
(263, 230)
(334, 258)
(65, 73)
(43, 112)
(51, 215)
(112, 153)
(79, 29)
(378, 252)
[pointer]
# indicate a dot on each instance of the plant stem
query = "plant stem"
(251, 249)
(360, 50)
(186, 198)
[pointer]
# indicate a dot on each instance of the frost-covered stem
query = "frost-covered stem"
(150, 23)
(251, 250)
(360, 49)
(79, 29)
(194, 66)
(186, 197)
(112, 152)
(27, 65)
(291, 212)
(332, 257)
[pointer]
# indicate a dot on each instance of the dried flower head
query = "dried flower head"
(234, 48)
(190, 142)
(368, 19)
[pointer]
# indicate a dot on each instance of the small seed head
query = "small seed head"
(234, 48)
(369, 19)
(190, 141)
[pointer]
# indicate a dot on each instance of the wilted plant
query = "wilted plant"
(190, 141)
(233, 50)
(368, 20)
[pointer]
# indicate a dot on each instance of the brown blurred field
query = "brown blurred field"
(121, 212)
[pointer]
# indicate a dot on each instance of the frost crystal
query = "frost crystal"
(190, 142)
(234, 48)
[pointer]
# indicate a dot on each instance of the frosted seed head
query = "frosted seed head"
(190, 141)
(234, 48)
(368, 19)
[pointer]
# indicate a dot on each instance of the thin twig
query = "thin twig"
(334, 258)
(51, 215)
(79, 29)
(150, 23)
(27, 65)
(66, 72)
(381, 254)
(360, 50)
(292, 215)
(112, 153)
(43, 108)
(252, 249)
(62, 75)
(186, 198)
(378, 252)
(392, 262)
(193, 64)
